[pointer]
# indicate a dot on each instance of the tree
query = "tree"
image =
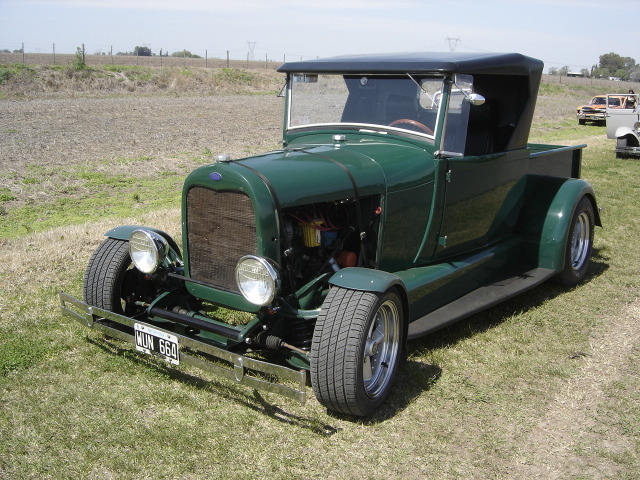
(600, 73)
(614, 63)
(78, 63)
(184, 53)
(142, 51)
(622, 74)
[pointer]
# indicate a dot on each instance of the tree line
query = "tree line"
(146, 52)
(610, 65)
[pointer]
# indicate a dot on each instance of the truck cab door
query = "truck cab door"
(482, 199)
(620, 121)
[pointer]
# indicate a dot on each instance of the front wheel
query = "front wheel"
(577, 255)
(356, 351)
(111, 282)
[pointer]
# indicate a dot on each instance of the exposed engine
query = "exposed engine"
(326, 237)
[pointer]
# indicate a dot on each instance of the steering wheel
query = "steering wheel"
(412, 122)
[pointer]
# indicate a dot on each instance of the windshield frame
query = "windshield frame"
(381, 128)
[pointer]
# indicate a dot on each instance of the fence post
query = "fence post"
(206, 58)
(23, 53)
(83, 59)
(54, 53)
(227, 58)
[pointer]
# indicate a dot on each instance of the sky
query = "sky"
(571, 33)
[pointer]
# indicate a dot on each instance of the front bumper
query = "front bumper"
(238, 368)
(630, 151)
(594, 117)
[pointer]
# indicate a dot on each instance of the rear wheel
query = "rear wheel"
(579, 244)
(111, 282)
(356, 351)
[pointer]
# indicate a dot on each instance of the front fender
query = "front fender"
(555, 230)
(123, 232)
(366, 279)
(624, 131)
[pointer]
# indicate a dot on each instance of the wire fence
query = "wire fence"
(227, 62)
(608, 86)
(139, 60)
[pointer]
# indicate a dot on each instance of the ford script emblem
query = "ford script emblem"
(215, 176)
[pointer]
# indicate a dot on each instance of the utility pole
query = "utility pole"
(453, 43)
(252, 46)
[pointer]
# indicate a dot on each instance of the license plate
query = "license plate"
(149, 340)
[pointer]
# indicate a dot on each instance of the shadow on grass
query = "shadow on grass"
(415, 378)
(235, 393)
(497, 314)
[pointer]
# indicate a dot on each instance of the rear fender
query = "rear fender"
(555, 229)
(123, 232)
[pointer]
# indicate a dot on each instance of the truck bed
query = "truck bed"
(555, 160)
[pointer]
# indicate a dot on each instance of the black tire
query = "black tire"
(581, 121)
(357, 348)
(110, 279)
(577, 256)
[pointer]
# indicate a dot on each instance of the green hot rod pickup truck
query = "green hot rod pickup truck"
(405, 197)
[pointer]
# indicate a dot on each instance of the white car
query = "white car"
(623, 124)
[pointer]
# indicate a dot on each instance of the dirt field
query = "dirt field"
(67, 131)
(45, 135)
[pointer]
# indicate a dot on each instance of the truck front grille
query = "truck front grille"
(221, 228)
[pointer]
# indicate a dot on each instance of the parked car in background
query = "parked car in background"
(595, 111)
(623, 124)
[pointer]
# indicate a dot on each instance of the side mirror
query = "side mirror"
(475, 99)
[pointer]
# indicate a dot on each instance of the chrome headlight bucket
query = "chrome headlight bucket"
(258, 279)
(147, 250)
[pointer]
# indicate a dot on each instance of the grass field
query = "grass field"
(543, 386)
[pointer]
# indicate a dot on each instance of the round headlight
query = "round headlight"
(147, 250)
(258, 279)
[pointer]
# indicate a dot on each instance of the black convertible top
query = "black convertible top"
(508, 81)
(421, 62)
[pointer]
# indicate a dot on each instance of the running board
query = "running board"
(478, 300)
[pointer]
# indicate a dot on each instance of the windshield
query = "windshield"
(402, 103)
